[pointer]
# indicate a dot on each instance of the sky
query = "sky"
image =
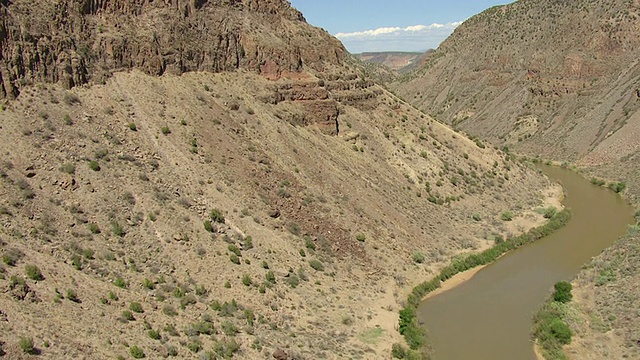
(384, 25)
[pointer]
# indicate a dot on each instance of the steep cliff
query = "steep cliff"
(75, 42)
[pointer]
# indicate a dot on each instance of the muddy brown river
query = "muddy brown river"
(490, 316)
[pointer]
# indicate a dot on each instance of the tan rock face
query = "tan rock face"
(78, 42)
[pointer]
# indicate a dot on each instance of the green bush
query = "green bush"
(270, 277)
(618, 187)
(292, 280)
(136, 307)
(33, 273)
(562, 292)
(208, 226)
(360, 237)
(117, 229)
(26, 345)
(234, 249)
(234, 259)
(93, 165)
(133, 127)
(228, 328)
(154, 334)
(506, 216)
(93, 227)
(119, 282)
(398, 351)
(561, 331)
(127, 315)
(246, 280)
(165, 130)
(316, 265)
(136, 352)
(72, 296)
(217, 216)
(418, 257)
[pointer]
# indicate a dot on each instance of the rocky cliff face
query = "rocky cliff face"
(75, 42)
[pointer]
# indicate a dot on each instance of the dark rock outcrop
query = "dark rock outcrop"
(76, 42)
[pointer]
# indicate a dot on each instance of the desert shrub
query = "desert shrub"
(234, 259)
(234, 249)
(93, 165)
(33, 272)
(247, 243)
(228, 328)
(201, 290)
(476, 217)
(127, 315)
(361, 237)
(154, 334)
(293, 228)
(418, 257)
(187, 300)
(208, 226)
(26, 345)
(119, 282)
(136, 307)
(68, 168)
(270, 277)
(136, 352)
(165, 130)
(217, 216)
(309, 244)
(94, 228)
(292, 280)
(169, 310)
(316, 265)
(72, 295)
(133, 127)
(117, 229)
(398, 351)
(506, 215)
(246, 280)
(10, 259)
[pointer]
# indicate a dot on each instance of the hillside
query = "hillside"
(202, 179)
(550, 78)
(559, 80)
(394, 60)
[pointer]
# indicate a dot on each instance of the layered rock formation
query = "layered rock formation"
(75, 42)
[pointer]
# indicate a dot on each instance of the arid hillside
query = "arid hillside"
(208, 179)
(559, 80)
(551, 78)
(394, 60)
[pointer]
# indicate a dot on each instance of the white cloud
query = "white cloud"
(410, 38)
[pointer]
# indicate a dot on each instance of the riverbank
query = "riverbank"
(415, 336)
(513, 288)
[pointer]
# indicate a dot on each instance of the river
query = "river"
(490, 316)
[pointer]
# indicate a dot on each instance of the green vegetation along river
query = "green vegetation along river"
(490, 316)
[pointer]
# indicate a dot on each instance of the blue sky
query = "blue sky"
(383, 25)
